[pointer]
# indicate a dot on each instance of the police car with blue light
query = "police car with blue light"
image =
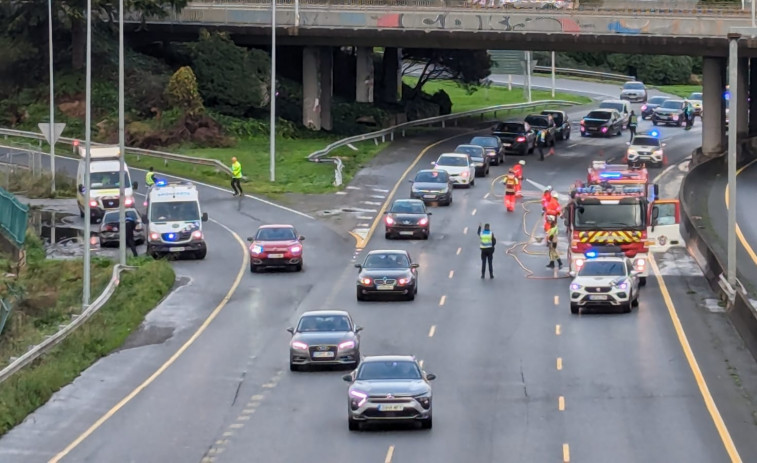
(646, 149)
(174, 220)
(605, 280)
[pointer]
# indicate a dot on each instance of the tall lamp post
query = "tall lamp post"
(87, 157)
(121, 140)
(51, 138)
(273, 91)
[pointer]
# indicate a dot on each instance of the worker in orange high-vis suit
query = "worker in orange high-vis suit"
(552, 209)
(545, 199)
(511, 185)
(518, 171)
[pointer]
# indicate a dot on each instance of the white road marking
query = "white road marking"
(443, 300)
(451, 273)
(372, 203)
(486, 196)
(432, 331)
(573, 145)
(341, 192)
(465, 231)
(364, 225)
(389, 454)
(380, 190)
(378, 196)
(363, 217)
(459, 250)
(474, 212)
(352, 188)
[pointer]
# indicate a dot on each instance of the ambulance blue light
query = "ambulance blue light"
(610, 175)
(590, 254)
(161, 182)
(654, 133)
(171, 237)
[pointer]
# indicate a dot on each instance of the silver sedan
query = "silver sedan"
(324, 337)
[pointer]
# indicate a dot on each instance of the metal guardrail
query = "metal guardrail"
(13, 216)
(215, 163)
(584, 73)
(319, 156)
(52, 341)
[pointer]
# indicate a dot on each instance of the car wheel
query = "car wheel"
(410, 297)
(298, 267)
(353, 425)
(360, 296)
(200, 255)
(426, 233)
(642, 281)
(473, 182)
(567, 136)
(625, 308)
(293, 367)
(574, 308)
(530, 150)
(253, 268)
(387, 235)
(428, 423)
(635, 301)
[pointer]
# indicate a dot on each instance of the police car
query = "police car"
(604, 281)
(174, 220)
(646, 149)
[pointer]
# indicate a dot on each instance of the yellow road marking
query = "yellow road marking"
(557, 330)
(362, 242)
(561, 403)
(559, 363)
(451, 273)
(443, 300)
(459, 250)
(709, 402)
(465, 231)
(474, 212)
(557, 300)
(565, 453)
(389, 454)
(171, 360)
(432, 331)
(740, 235)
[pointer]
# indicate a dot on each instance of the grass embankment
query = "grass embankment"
(23, 182)
(51, 294)
(682, 91)
(462, 100)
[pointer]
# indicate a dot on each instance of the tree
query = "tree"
(182, 92)
(463, 66)
(654, 69)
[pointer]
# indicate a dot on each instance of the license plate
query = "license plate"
(429, 196)
(179, 249)
(508, 144)
(406, 233)
(598, 298)
(592, 129)
(323, 354)
(275, 256)
(391, 407)
(644, 158)
(385, 287)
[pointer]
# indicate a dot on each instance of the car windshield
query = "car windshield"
(695, 96)
(658, 100)
(673, 104)
(599, 115)
(408, 207)
(174, 211)
(490, 142)
(452, 161)
(431, 177)
(538, 121)
(633, 86)
(603, 268)
(388, 370)
(312, 323)
(510, 127)
(276, 234)
(646, 141)
(107, 180)
(616, 106)
(387, 260)
(472, 151)
(609, 216)
(113, 216)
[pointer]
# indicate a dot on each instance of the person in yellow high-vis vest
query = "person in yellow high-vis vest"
(236, 176)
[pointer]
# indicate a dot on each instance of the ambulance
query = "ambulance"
(103, 192)
(174, 220)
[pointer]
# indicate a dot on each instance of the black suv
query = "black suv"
(541, 121)
(517, 137)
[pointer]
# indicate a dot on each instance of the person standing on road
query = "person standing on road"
(633, 122)
(541, 142)
(488, 241)
(554, 256)
(150, 177)
(511, 187)
(518, 170)
(130, 225)
(236, 176)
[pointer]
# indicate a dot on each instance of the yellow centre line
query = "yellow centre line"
(389, 454)
(740, 235)
(561, 403)
(565, 453)
(171, 360)
(559, 363)
(443, 300)
(432, 331)
(709, 402)
(557, 330)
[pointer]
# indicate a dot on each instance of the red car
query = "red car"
(276, 246)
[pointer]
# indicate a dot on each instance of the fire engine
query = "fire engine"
(618, 174)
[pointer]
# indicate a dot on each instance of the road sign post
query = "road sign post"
(51, 132)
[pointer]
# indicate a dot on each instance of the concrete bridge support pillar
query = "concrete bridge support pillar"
(753, 97)
(743, 105)
(713, 122)
(327, 86)
(364, 75)
(317, 79)
(392, 73)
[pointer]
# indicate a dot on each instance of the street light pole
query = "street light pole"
(51, 138)
(735, 94)
(87, 156)
(553, 74)
(273, 91)
(121, 140)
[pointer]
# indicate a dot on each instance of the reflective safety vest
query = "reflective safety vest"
(486, 239)
(236, 170)
(149, 181)
(634, 121)
(510, 182)
(542, 136)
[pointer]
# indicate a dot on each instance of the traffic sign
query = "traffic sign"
(57, 130)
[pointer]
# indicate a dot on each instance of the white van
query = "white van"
(174, 220)
(103, 186)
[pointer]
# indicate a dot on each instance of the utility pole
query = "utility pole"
(273, 91)
(121, 140)
(52, 136)
(87, 158)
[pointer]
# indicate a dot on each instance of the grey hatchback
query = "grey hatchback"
(324, 337)
(389, 388)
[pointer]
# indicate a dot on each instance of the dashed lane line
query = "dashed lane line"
(557, 330)
(559, 363)
(451, 273)
(459, 250)
(389, 454)
(557, 299)
(432, 331)
(565, 453)
(442, 300)
(473, 212)
(465, 231)
(561, 403)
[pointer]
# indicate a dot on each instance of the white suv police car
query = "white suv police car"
(646, 149)
(603, 281)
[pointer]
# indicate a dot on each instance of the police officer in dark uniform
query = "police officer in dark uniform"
(130, 225)
(488, 241)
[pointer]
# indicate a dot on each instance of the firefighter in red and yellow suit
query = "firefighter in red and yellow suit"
(545, 199)
(511, 185)
(553, 209)
(518, 171)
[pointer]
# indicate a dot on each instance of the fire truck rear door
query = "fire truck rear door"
(664, 225)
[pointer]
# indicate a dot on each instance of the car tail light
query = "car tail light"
(347, 345)
(107, 228)
(579, 263)
(389, 220)
(366, 281)
(675, 117)
(583, 122)
(299, 345)
(423, 221)
(465, 173)
(129, 202)
(154, 236)
(643, 107)
(640, 265)
(604, 129)
(296, 249)
(520, 139)
(93, 203)
(197, 234)
(403, 281)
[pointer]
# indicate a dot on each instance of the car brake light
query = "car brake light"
(644, 107)
(299, 345)
(129, 202)
(366, 281)
(604, 129)
(640, 264)
(583, 122)
(520, 139)
(403, 281)
(423, 221)
(389, 220)
(197, 234)
(465, 173)
(295, 249)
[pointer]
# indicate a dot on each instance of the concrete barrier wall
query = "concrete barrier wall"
(707, 249)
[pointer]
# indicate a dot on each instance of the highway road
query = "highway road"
(519, 377)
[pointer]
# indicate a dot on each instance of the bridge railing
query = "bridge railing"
(389, 132)
(13, 217)
(585, 73)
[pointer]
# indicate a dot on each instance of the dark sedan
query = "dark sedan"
(387, 273)
(324, 337)
(493, 146)
(562, 123)
(517, 137)
(602, 122)
(432, 185)
(109, 227)
(669, 113)
(541, 122)
(407, 217)
(648, 108)
(478, 157)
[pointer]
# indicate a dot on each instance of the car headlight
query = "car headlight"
(357, 399)
(154, 237)
(631, 152)
(424, 400)
(257, 249)
(657, 153)
(575, 287)
(296, 249)
(299, 345)
(347, 345)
